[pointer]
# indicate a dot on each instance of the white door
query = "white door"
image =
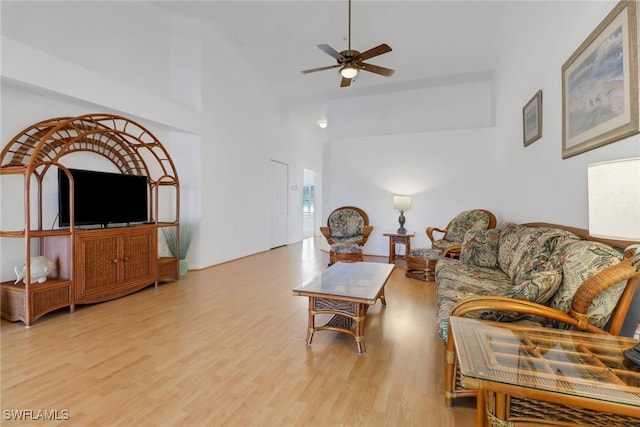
(278, 179)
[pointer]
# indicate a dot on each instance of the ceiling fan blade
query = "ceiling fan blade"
(331, 52)
(368, 54)
(313, 70)
(345, 82)
(376, 69)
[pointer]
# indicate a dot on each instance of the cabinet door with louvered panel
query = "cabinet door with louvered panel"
(111, 263)
(97, 264)
(138, 256)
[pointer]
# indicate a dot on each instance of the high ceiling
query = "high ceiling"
(429, 38)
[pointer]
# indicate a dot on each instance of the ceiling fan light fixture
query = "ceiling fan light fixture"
(349, 71)
(351, 61)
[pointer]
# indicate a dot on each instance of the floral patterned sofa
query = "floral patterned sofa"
(543, 265)
(537, 274)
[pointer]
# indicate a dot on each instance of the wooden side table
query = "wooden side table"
(401, 239)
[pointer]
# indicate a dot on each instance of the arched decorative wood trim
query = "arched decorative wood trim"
(116, 138)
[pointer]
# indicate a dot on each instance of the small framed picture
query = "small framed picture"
(532, 119)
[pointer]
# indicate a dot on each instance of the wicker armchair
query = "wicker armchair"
(347, 231)
(576, 318)
(421, 261)
(453, 234)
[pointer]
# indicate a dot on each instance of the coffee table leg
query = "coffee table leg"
(361, 314)
(312, 321)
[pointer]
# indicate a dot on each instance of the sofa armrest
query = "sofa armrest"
(497, 303)
(600, 282)
(430, 231)
(487, 303)
(327, 234)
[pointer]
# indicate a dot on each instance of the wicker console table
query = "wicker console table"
(530, 374)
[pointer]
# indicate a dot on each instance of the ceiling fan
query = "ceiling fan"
(351, 62)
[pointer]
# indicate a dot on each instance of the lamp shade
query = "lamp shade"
(402, 202)
(614, 199)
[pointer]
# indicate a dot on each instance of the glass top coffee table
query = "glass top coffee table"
(518, 369)
(345, 290)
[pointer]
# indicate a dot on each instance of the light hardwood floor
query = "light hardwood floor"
(226, 346)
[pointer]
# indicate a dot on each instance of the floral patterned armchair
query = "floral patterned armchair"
(421, 262)
(449, 243)
(347, 231)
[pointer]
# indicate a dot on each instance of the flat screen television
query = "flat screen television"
(102, 198)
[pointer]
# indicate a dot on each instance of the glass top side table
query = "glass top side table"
(578, 369)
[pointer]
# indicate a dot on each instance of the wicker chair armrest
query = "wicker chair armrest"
(452, 251)
(430, 231)
(327, 234)
(493, 222)
(365, 235)
(598, 283)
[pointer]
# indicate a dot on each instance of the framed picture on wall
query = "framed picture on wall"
(600, 84)
(532, 119)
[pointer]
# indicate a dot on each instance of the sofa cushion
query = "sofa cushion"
(543, 252)
(525, 250)
(457, 280)
(508, 248)
(539, 273)
(580, 261)
(539, 287)
(533, 264)
(480, 247)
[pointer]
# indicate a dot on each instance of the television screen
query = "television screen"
(103, 198)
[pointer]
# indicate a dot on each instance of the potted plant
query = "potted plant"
(187, 231)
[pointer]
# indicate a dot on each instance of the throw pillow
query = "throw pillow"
(480, 247)
(582, 260)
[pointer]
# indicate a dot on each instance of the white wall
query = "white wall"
(452, 168)
(443, 157)
(301, 148)
(222, 124)
(165, 71)
(435, 168)
(537, 184)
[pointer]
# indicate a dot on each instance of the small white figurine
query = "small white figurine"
(40, 269)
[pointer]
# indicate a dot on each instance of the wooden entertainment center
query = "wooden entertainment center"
(93, 265)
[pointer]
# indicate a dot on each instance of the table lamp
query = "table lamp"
(614, 213)
(401, 203)
(614, 201)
